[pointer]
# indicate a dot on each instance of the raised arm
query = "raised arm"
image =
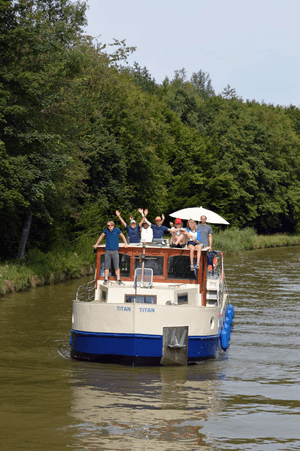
(141, 221)
(146, 220)
(141, 211)
(144, 214)
(121, 219)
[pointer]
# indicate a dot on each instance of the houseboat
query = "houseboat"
(164, 313)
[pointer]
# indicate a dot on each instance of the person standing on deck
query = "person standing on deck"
(206, 232)
(133, 230)
(111, 250)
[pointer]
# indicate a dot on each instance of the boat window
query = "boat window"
(179, 267)
(153, 262)
(124, 262)
(140, 299)
(102, 265)
(182, 298)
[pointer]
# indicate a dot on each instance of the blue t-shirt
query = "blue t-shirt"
(112, 239)
(158, 231)
(133, 234)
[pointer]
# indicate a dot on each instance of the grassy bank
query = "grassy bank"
(75, 260)
(233, 240)
(65, 262)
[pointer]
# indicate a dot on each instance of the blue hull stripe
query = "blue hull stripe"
(137, 345)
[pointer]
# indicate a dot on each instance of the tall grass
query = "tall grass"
(234, 240)
(263, 241)
(63, 262)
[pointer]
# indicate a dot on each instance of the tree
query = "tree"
(202, 82)
(40, 165)
(141, 77)
(229, 93)
(187, 97)
(256, 147)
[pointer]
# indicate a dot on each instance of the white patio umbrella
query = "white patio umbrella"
(196, 213)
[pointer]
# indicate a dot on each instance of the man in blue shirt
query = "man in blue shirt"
(111, 250)
(158, 228)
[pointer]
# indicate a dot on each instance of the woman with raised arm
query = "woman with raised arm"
(146, 231)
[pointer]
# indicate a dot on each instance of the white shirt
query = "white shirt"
(146, 234)
(178, 233)
(192, 236)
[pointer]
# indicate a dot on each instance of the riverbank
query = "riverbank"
(234, 240)
(65, 262)
(76, 260)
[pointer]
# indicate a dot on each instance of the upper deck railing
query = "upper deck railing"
(86, 292)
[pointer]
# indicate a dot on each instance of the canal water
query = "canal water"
(246, 399)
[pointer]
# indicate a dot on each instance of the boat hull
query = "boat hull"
(135, 349)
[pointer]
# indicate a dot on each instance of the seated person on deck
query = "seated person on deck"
(194, 238)
(178, 238)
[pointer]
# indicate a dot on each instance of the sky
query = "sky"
(252, 46)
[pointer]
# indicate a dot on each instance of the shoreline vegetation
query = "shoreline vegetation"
(76, 260)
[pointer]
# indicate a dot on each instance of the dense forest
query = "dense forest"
(83, 134)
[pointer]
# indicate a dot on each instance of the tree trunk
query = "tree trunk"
(24, 237)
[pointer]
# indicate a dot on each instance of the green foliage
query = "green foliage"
(39, 164)
(277, 240)
(189, 162)
(39, 268)
(141, 78)
(256, 148)
(234, 239)
(294, 114)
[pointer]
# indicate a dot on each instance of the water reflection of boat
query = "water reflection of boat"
(163, 314)
(163, 407)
